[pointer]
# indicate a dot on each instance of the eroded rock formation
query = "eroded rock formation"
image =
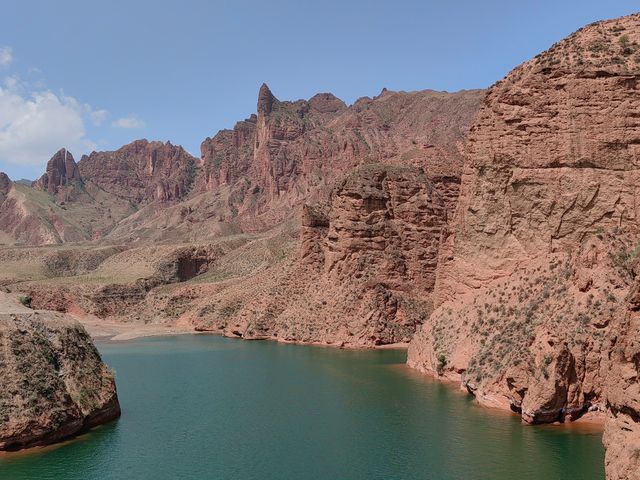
(292, 152)
(53, 383)
(61, 171)
(363, 274)
(141, 171)
(249, 179)
(532, 313)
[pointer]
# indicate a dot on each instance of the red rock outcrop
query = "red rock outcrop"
(363, 275)
(5, 186)
(250, 179)
(527, 286)
(86, 201)
(291, 152)
(141, 171)
(53, 381)
(622, 386)
(61, 171)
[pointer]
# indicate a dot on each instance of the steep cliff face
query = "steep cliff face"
(622, 385)
(363, 274)
(61, 171)
(291, 152)
(5, 186)
(53, 382)
(529, 284)
(141, 171)
(552, 157)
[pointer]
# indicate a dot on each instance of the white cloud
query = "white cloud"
(128, 122)
(33, 126)
(6, 56)
(97, 116)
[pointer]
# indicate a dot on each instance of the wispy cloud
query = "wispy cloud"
(128, 122)
(6, 56)
(98, 116)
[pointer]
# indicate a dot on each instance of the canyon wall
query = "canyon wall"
(361, 275)
(534, 288)
(292, 152)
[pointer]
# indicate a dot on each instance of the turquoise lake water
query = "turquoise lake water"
(206, 407)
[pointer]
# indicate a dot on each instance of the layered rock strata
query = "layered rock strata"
(532, 293)
(363, 272)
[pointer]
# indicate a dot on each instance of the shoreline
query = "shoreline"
(109, 331)
(104, 331)
(113, 332)
(589, 422)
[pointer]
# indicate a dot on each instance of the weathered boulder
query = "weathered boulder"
(53, 383)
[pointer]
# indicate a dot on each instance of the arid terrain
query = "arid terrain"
(494, 231)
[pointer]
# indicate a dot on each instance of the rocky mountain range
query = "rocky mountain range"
(248, 179)
(494, 231)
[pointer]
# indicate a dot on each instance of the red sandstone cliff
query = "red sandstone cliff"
(362, 274)
(141, 171)
(249, 179)
(61, 171)
(531, 283)
(291, 152)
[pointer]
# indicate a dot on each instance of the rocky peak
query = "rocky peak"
(266, 100)
(141, 171)
(61, 170)
(276, 160)
(326, 103)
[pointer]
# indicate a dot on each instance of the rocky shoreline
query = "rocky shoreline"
(53, 382)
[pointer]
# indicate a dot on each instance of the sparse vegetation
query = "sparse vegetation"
(26, 301)
(546, 361)
(442, 362)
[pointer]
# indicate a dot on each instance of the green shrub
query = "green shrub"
(442, 362)
(26, 301)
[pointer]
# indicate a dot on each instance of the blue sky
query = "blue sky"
(96, 75)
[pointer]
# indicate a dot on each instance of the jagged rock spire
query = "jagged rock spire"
(266, 99)
(61, 169)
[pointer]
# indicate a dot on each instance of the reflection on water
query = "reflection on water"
(209, 407)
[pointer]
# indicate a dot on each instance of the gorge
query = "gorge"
(492, 232)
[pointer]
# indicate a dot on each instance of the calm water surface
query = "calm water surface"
(205, 407)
